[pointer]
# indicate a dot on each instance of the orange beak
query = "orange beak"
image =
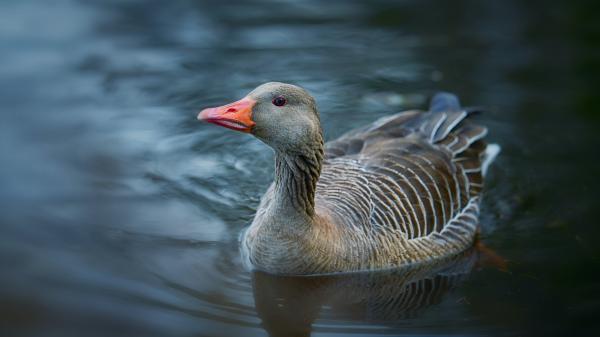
(236, 116)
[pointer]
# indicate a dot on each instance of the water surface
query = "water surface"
(120, 213)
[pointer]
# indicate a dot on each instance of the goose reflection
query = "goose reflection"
(288, 306)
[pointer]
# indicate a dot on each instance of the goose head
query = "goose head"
(283, 116)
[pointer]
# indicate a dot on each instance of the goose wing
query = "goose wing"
(418, 172)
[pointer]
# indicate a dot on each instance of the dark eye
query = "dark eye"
(279, 101)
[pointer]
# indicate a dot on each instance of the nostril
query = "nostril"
(231, 110)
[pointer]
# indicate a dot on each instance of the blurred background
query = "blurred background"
(120, 213)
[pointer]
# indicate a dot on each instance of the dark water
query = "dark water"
(120, 213)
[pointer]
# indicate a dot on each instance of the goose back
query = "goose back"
(408, 185)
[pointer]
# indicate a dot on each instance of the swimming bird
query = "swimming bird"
(403, 190)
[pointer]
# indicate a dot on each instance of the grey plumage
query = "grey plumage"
(402, 190)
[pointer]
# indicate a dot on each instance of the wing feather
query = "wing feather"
(417, 172)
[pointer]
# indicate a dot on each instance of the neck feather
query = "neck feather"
(296, 176)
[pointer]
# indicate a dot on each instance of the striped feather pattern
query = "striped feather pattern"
(414, 173)
(402, 190)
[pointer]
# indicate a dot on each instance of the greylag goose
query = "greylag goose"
(403, 190)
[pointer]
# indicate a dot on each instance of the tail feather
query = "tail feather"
(444, 102)
(447, 125)
(453, 119)
(445, 115)
(490, 154)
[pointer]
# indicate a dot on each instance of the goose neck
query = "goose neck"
(296, 176)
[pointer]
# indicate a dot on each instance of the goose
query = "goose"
(401, 191)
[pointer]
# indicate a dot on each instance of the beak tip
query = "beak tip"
(202, 115)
